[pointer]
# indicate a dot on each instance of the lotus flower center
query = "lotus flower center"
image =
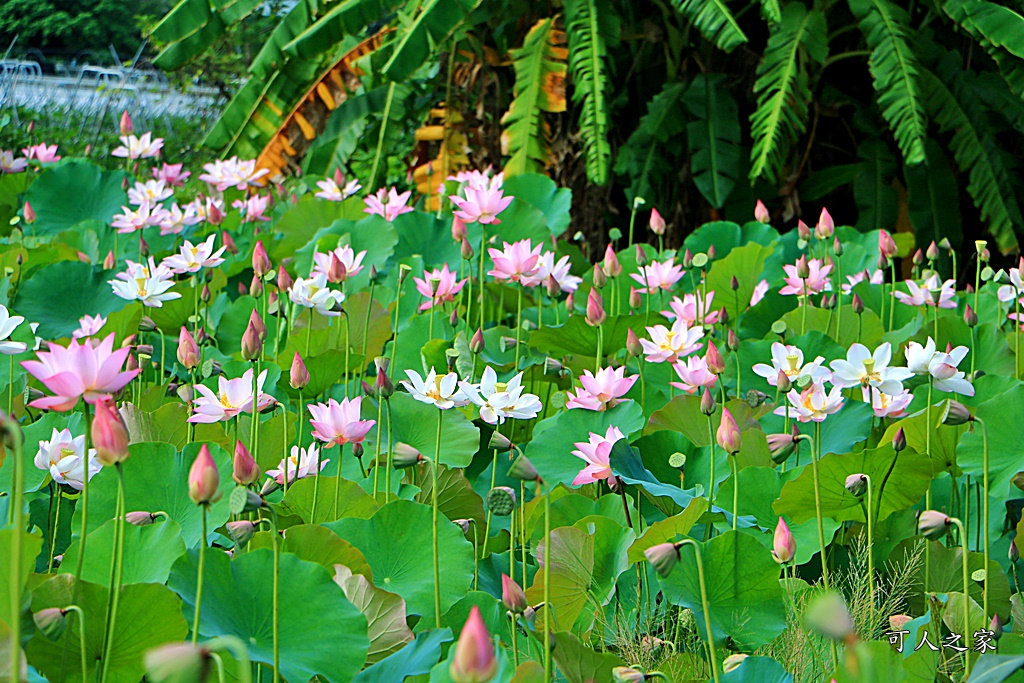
(224, 401)
(66, 450)
(869, 372)
(793, 369)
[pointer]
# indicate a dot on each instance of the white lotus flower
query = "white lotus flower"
(499, 401)
(442, 391)
(863, 368)
(312, 292)
(62, 457)
(8, 324)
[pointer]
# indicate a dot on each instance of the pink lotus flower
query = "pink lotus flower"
(254, 208)
(885, 405)
(480, 204)
(474, 660)
(234, 396)
(145, 147)
(339, 423)
(481, 180)
(932, 292)
(656, 223)
(193, 258)
(692, 309)
(171, 174)
(302, 463)
(554, 276)
(875, 278)
(515, 262)
(174, 220)
(223, 174)
(601, 391)
(438, 286)
(760, 289)
(783, 543)
(204, 478)
(149, 193)
(887, 245)
(80, 370)
(352, 262)
(595, 453)
(11, 164)
(694, 374)
(658, 275)
(89, 325)
(667, 345)
(41, 153)
(132, 221)
(817, 281)
(388, 204)
(813, 404)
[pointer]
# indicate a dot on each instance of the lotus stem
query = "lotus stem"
(376, 456)
(434, 512)
(515, 644)
(487, 528)
(984, 513)
(81, 638)
(483, 290)
(387, 470)
(548, 612)
(519, 326)
(815, 454)
(15, 435)
(255, 408)
(522, 525)
(735, 489)
(512, 548)
(199, 578)
(56, 526)
(928, 491)
(892, 292)
(85, 505)
(277, 594)
(116, 574)
(966, 600)
(706, 607)
(871, 554)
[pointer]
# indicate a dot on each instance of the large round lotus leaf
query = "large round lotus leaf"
(551, 448)
(415, 423)
(415, 659)
(149, 552)
(541, 192)
(456, 498)
(572, 573)
(758, 670)
(580, 664)
(316, 544)
(72, 192)
(746, 264)
(385, 613)
(371, 234)
(1002, 415)
(396, 542)
(58, 294)
(148, 615)
(238, 601)
(353, 501)
(742, 580)
(156, 478)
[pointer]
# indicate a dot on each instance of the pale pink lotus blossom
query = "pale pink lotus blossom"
(348, 257)
(63, 456)
(233, 397)
(812, 404)
(943, 368)
(480, 204)
(667, 345)
(790, 360)
(481, 180)
(518, 262)
(82, 370)
(41, 153)
(760, 289)
(554, 276)
(864, 368)
(595, 452)
(172, 174)
(693, 309)
(226, 173)
(135, 220)
(1015, 289)
(885, 405)
(88, 326)
(602, 390)
(148, 193)
(254, 208)
(817, 281)
(658, 275)
(441, 391)
(206, 207)
(302, 463)
(329, 190)
(875, 277)
(147, 283)
(694, 374)
(11, 164)
(144, 147)
(174, 220)
(932, 292)
(438, 286)
(339, 423)
(193, 258)
(388, 204)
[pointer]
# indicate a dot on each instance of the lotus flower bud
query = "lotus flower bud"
(803, 231)
(600, 279)
(204, 479)
(687, 260)
(970, 317)
(656, 223)
(458, 230)
(126, 123)
(512, 595)
(140, 518)
(178, 663)
(728, 434)
(633, 346)
(463, 524)
(251, 344)
(241, 531)
(143, 247)
(298, 376)
(595, 309)
(552, 287)
(51, 622)
(803, 271)
(466, 249)
(383, 386)
(255, 287)
(336, 272)
(996, 626)
(663, 557)
(634, 298)
(627, 674)
(780, 447)
(641, 256)
(918, 258)
(186, 393)
(707, 403)
(522, 469)
(245, 470)
(829, 615)
(857, 304)
(932, 524)
(837, 247)
(714, 360)
(1013, 553)
(256, 321)
(957, 414)
(783, 543)
(898, 621)
(857, 484)
(761, 214)
(933, 251)
(882, 263)
(109, 435)
(260, 260)
(30, 214)
(474, 660)
(110, 261)
(711, 254)
(476, 342)
(284, 280)
(612, 267)
(887, 245)
(826, 227)
(404, 456)
(783, 382)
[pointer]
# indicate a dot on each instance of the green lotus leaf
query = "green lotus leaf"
(58, 294)
(758, 670)
(580, 664)
(572, 573)
(353, 501)
(415, 423)
(72, 192)
(317, 544)
(415, 659)
(384, 612)
(149, 552)
(456, 498)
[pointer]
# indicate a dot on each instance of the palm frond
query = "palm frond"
(428, 26)
(771, 11)
(346, 18)
(999, 30)
(715, 22)
(783, 89)
(589, 25)
(193, 25)
(894, 68)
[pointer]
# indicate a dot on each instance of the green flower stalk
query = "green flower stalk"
(203, 489)
(434, 515)
(13, 435)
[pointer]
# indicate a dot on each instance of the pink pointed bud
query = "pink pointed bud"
(339, 177)
(206, 295)
(126, 123)
(825, 227)
(1013, 554)
(30, 214)
(229, 242)
(707, 403)
(641, 256)
(714, 360)
(728, 434)
(512, 595)
(140, 518)
(932, 524)
(918, 258)
(933, 251)
(256, 287)
(109, 435)
(476, 343)
(83, 257)
(761, 214)
(996, 626)
(857, 303)
(260, 261)
(204, 479)
(612, 267)
(595, 309)
(188, 350)
(109, 262)
(837, 247)
(970, 317)
(687, 260)
(453, 319)
(600, 278)
(886, 245)
(284, 280)
(368, 390)
(783, 382)
(570, 304)
(245, 471)
(711, 253)
(458, 229)
(985, 255)
(633, 345)
(251, 344)
(553, 287)
(899, 440)
(336, 272)
(882, 263)
(635, 301)
(732, 341)
(803, 231)
(383, 385)
(657, 223)
(803, 271)
(474, 660)
(734, 283)
(256, 321)
(466, 250)
(298, 378)
(783, 543)
(143, 247)
(780, 447)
